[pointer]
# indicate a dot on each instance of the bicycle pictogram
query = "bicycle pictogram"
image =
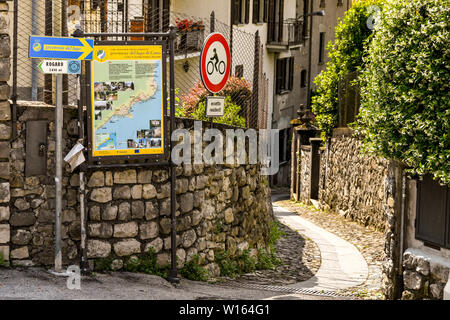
(218, 66)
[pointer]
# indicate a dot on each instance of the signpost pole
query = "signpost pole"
(173, 277)
(58, 178)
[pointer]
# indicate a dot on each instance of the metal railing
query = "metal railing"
(286, 33)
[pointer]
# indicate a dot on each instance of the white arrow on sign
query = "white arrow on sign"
(60, 66)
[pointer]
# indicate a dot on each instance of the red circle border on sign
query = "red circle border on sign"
(214, 88)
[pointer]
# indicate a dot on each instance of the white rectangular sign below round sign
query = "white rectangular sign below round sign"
(60, 66)
(215, 107)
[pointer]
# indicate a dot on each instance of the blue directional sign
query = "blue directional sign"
(61, 48)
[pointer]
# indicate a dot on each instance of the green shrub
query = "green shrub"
(346, 55)
(275, 233)
(147, 264)
(405, 101)
(245, 263)
(227, 265)
(193, 270)
(231, 114)
(267, 260)
(103, 264)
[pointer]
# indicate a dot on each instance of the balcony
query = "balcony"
(284, 36)
(190, 42)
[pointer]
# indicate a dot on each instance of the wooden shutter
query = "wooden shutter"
(432, 211)
(256, 4)
(266, 13)
(235, 11)
(280, 76)
(247, 11)
(291, 73)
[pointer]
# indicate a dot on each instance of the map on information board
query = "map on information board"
(127, 101)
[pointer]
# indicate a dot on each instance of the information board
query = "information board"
(127, 101)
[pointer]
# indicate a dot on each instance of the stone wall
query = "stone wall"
(32, 202)
(353, 184)
(5, 131)
(305, 174)
(425, 275)
(218, 207)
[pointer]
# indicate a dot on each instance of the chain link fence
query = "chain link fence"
(63, 17)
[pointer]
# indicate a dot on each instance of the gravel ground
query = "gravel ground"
(38, 284)
(369, 241)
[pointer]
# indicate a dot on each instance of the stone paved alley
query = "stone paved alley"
(308, 272)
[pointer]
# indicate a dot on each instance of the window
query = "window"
(340, 2)
(303, 75)
(433, 213)
(285, 142)
(322, 4)
(239, 71)
(285, 75)
(240, 11)
(260, 13)
(321, 47)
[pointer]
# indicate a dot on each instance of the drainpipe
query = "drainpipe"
(34, 62)
(402, 220)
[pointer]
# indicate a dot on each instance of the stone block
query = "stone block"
(100, 230)
(22, 219)
(4, 251)
(188, 238)
(122, 193)
(5, 108)
(125, 177)
(124, 211)
(98, 249)
(5, 193)
(229, 216)
(137, 210)
(187, 202)
(126, 230)
(20, 253)
(5, 233)
(21, 237)
(4, 214)
(97, 180)
(127, 247)
(156, 245)
(110, 213)
(102, 195)
(148, 192)
(151, 210)
(145, 177)
(136, 192)
(413, 280)
(149, 230)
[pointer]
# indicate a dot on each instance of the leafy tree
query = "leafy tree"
(405, 111)
(346, 55)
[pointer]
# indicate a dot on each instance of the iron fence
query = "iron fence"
(63, 17)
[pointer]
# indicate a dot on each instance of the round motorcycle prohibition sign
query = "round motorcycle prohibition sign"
(215, 61)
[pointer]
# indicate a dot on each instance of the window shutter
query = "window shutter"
(247, 11)
(266, 6)
(256, 4)
(279, 77)
(291, 73)
(235, 6)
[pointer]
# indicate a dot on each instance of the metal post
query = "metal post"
(308, 103)
(34, 62)
(58, 177)
(14, 70)
(173, 277)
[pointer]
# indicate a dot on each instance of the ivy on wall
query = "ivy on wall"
(405, 101)
(346, 55)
